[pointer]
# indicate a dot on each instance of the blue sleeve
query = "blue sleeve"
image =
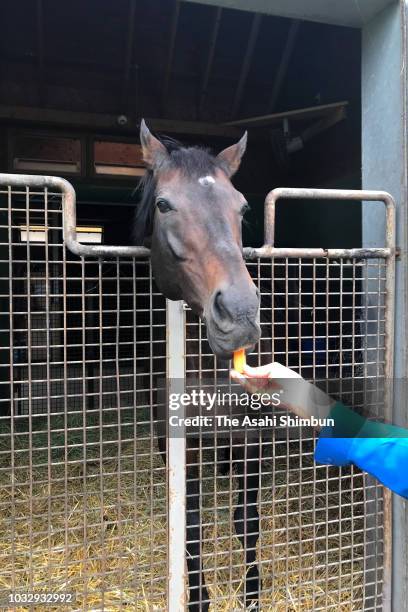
(385, 458)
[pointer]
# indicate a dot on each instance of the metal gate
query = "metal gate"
(85, 509)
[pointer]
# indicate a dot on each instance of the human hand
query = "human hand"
(298, 396)
(264, 378)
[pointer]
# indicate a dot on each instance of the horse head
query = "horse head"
(190, 216)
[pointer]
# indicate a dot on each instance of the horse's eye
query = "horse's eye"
(244, 209)
(163, 205)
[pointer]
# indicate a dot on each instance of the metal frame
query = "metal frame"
(269, 250)
(176, 339)
(176, 454)
(388, 253)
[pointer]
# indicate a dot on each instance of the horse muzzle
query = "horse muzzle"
(232, 319)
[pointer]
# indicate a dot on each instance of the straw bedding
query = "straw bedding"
(82, 520)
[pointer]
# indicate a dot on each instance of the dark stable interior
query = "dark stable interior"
(152, 59)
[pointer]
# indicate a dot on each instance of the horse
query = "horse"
(190, 215)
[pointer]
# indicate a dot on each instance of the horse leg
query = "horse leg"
(199, 599)
(246, 517)
(223, 459)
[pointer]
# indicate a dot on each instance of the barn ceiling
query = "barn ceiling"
(354, 13)
(171, 59)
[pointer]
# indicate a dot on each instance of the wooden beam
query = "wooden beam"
(93, 122)
(326, 122)
(170, 52)
(210, 59)
(40, 51)
(128, 53)
(85, 67)
(253, 35)
(284, 63)
(194, 128)
(294, 115)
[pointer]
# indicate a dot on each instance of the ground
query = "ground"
(91, 516)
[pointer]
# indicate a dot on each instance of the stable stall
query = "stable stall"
(86, 504)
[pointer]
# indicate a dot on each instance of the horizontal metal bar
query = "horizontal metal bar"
(268, 251)
(350, 195)
(69, 212)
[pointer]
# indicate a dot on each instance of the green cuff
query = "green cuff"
(349, 424)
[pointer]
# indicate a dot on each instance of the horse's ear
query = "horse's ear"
(230, 157)
(154, 152)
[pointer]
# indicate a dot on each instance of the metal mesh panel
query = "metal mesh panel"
(83, 501)
(319, 539)
(82, 483)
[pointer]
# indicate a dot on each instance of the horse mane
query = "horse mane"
(143, 217)
(192, 161)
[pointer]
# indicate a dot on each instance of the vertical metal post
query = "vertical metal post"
(389, 310)
(176, 465)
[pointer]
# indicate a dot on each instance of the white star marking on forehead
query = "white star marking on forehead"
(206, 180)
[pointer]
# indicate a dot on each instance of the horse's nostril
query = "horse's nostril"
(219, 307)
(234, 311)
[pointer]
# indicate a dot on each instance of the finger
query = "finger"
(254, 384)
(241, 379)
(258, 372)
(251, 385)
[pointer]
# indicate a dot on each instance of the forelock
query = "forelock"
(193, 162)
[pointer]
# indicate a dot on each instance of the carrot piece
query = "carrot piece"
(239, 360)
